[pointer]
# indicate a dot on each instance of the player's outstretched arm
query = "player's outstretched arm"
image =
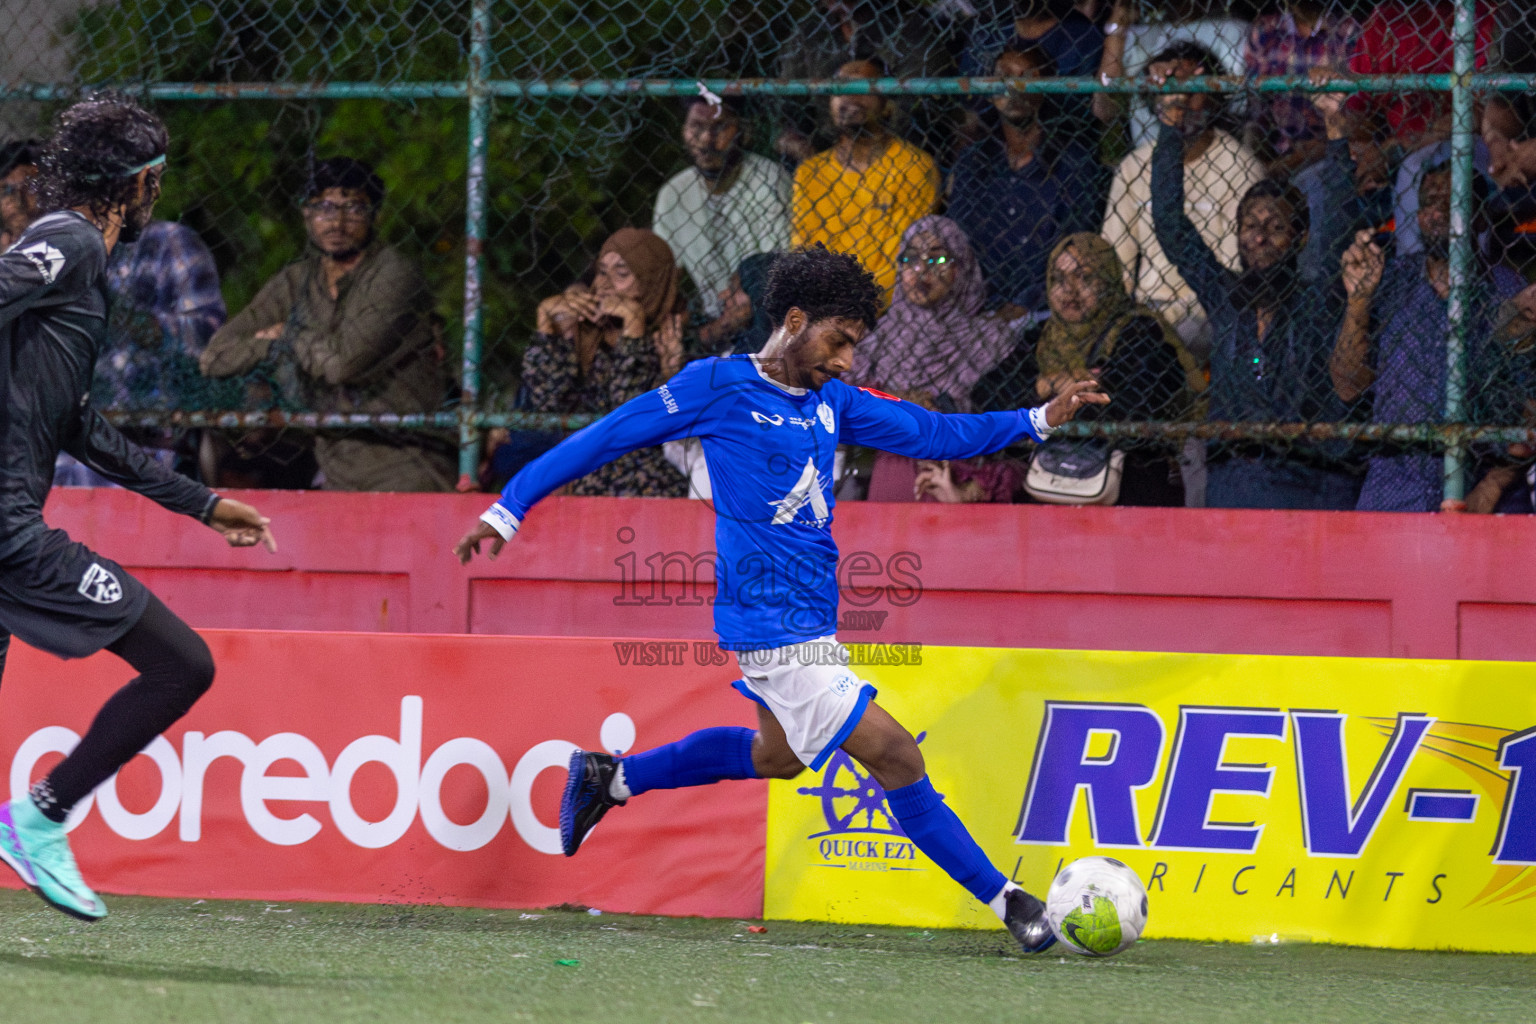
(875, 420)
(673, 411)
(102, 447)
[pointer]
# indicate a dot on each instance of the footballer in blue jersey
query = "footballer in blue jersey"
(770, 424)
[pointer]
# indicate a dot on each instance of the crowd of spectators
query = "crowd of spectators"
(1253, 258)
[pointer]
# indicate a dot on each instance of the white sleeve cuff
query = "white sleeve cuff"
(500, 520)
(1037, 423)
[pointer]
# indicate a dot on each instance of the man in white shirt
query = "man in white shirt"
(729, 205)
(1218, 171)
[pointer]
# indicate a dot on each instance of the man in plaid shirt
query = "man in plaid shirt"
(166, 304)
(1299, 38)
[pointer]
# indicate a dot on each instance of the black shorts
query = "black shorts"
(62, 597)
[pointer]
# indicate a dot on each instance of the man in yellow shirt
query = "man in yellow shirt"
(860, 195)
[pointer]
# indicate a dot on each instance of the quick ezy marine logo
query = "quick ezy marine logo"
(861, 834)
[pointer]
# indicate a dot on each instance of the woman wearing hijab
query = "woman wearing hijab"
(932, 346)
(934, 343)
(598, 347)
(1096, 329)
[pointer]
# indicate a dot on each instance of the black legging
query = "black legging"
(175, 668)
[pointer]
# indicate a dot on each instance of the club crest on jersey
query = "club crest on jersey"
(48, 260)
(100, 586)
(824, 413)
(808, 490)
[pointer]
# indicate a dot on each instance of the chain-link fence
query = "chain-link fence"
(1287, 237)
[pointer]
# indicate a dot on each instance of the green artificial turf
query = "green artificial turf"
(179, 960)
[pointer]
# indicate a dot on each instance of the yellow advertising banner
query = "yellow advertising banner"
(1373, 802)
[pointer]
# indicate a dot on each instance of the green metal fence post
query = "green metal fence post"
(474, 236)
(1462, 229)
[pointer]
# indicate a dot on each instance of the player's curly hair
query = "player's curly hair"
(96, 148)
(822, 284)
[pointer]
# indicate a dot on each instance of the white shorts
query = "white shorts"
(809, 688)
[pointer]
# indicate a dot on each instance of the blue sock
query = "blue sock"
(937, 831)
(697, 759)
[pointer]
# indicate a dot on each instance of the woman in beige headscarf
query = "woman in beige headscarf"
(1096, 329)
(598, 346)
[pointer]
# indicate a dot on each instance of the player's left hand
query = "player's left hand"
(1071, 398)
(469, 544)
(242, 525)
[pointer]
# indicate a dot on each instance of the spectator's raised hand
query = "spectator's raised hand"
(1072, 398)
(1329, 104)
(557, 316)
(624, 309)
(669, 344)
(937, 479)
(1362, 266)
(582, 300)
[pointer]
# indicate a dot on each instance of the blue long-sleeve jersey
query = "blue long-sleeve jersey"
(769, 450)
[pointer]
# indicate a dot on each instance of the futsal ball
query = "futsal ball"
(1097, 906)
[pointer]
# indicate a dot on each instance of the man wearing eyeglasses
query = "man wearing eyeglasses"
(355, 317)
(18, 206)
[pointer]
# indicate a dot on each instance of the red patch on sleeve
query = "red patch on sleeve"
(880, 394)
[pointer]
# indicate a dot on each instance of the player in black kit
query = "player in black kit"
(99, 179)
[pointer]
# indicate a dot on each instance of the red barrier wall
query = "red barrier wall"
(412, 769)
(1361, 584)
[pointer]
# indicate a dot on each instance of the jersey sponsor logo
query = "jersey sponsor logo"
(100, 586)
(777, 420)
(807, 490)
(824, 413)
(48, 260)
(667, 399)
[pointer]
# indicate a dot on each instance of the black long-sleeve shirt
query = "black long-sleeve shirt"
(53, 324)
(1283, 377)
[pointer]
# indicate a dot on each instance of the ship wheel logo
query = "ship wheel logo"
(852, 801)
